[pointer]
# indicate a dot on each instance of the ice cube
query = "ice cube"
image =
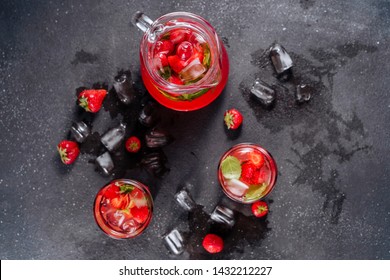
(116, 218)
(80, 131)
(130, 225)
(157, 138)
(105, 163)
(124, 88)
(154, 163)
(223, 215)
(148, 116)
(113, 138)
(236, 187)
(263, 92)
(280, 58)
(303, 93)
(174, 242)
(184, 199)
(192, 71)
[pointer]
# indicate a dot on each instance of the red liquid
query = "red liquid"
(257, 177)
(188, 105)
(123, 208)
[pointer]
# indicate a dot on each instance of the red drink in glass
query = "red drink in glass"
(123, 208)
(247, 173)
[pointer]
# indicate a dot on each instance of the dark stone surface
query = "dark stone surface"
(332, 197)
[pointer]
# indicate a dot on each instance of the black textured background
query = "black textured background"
(331, 200)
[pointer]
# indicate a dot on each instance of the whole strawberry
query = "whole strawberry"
(233, 119)
(260, 209)
(133, 144)
(68, 151)
(92, 99)
(212, 243)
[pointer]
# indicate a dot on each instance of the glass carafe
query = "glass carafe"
(184, 64)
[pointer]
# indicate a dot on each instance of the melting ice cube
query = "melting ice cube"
(280, 58)
(174, 242)
(105, 163)
(185, 200)
(154, 163)
(124, 88)
(157, 138)
(223, 215)
(263, 92)
(130, 225)
(80, 131)
(147, 116)
(113, 138)
(236, 187)
(192, 71)
(303, 93)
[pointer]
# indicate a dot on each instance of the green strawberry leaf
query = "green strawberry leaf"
(124, 189)
(231, 168)
(255, 192)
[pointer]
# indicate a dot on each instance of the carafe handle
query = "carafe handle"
(142, 21)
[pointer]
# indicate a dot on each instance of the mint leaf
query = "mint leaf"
(255, 191)
(206, 57)
(231, 168)
(166, 73)
(124, 189)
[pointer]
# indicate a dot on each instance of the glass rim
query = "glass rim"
(100, 221)
(270, 159)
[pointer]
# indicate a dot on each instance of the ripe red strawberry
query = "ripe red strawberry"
(92, 99)
(112, 191)
(233, 118)
(175, 80)
(165, 47)
(250, 173)
(176, 63)
(212, 243)
(133, 144)
(140, 214)
(257, 158)
(69, 151)
(260, 209)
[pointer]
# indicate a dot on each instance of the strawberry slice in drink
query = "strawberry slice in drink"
(140, 214)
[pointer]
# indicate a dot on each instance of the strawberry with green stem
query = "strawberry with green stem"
(233, 119)
(260, 209)
(68, 150)
(92, 99)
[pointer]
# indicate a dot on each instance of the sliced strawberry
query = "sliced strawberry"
(212, 243)
(165, 47)
(133, 144)
(140, 214)
(92, 99)
(68, 150)
(176, 63)
(249, 173)
(260, 209)
(175, 80)
(112, 191)
(257, 158)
